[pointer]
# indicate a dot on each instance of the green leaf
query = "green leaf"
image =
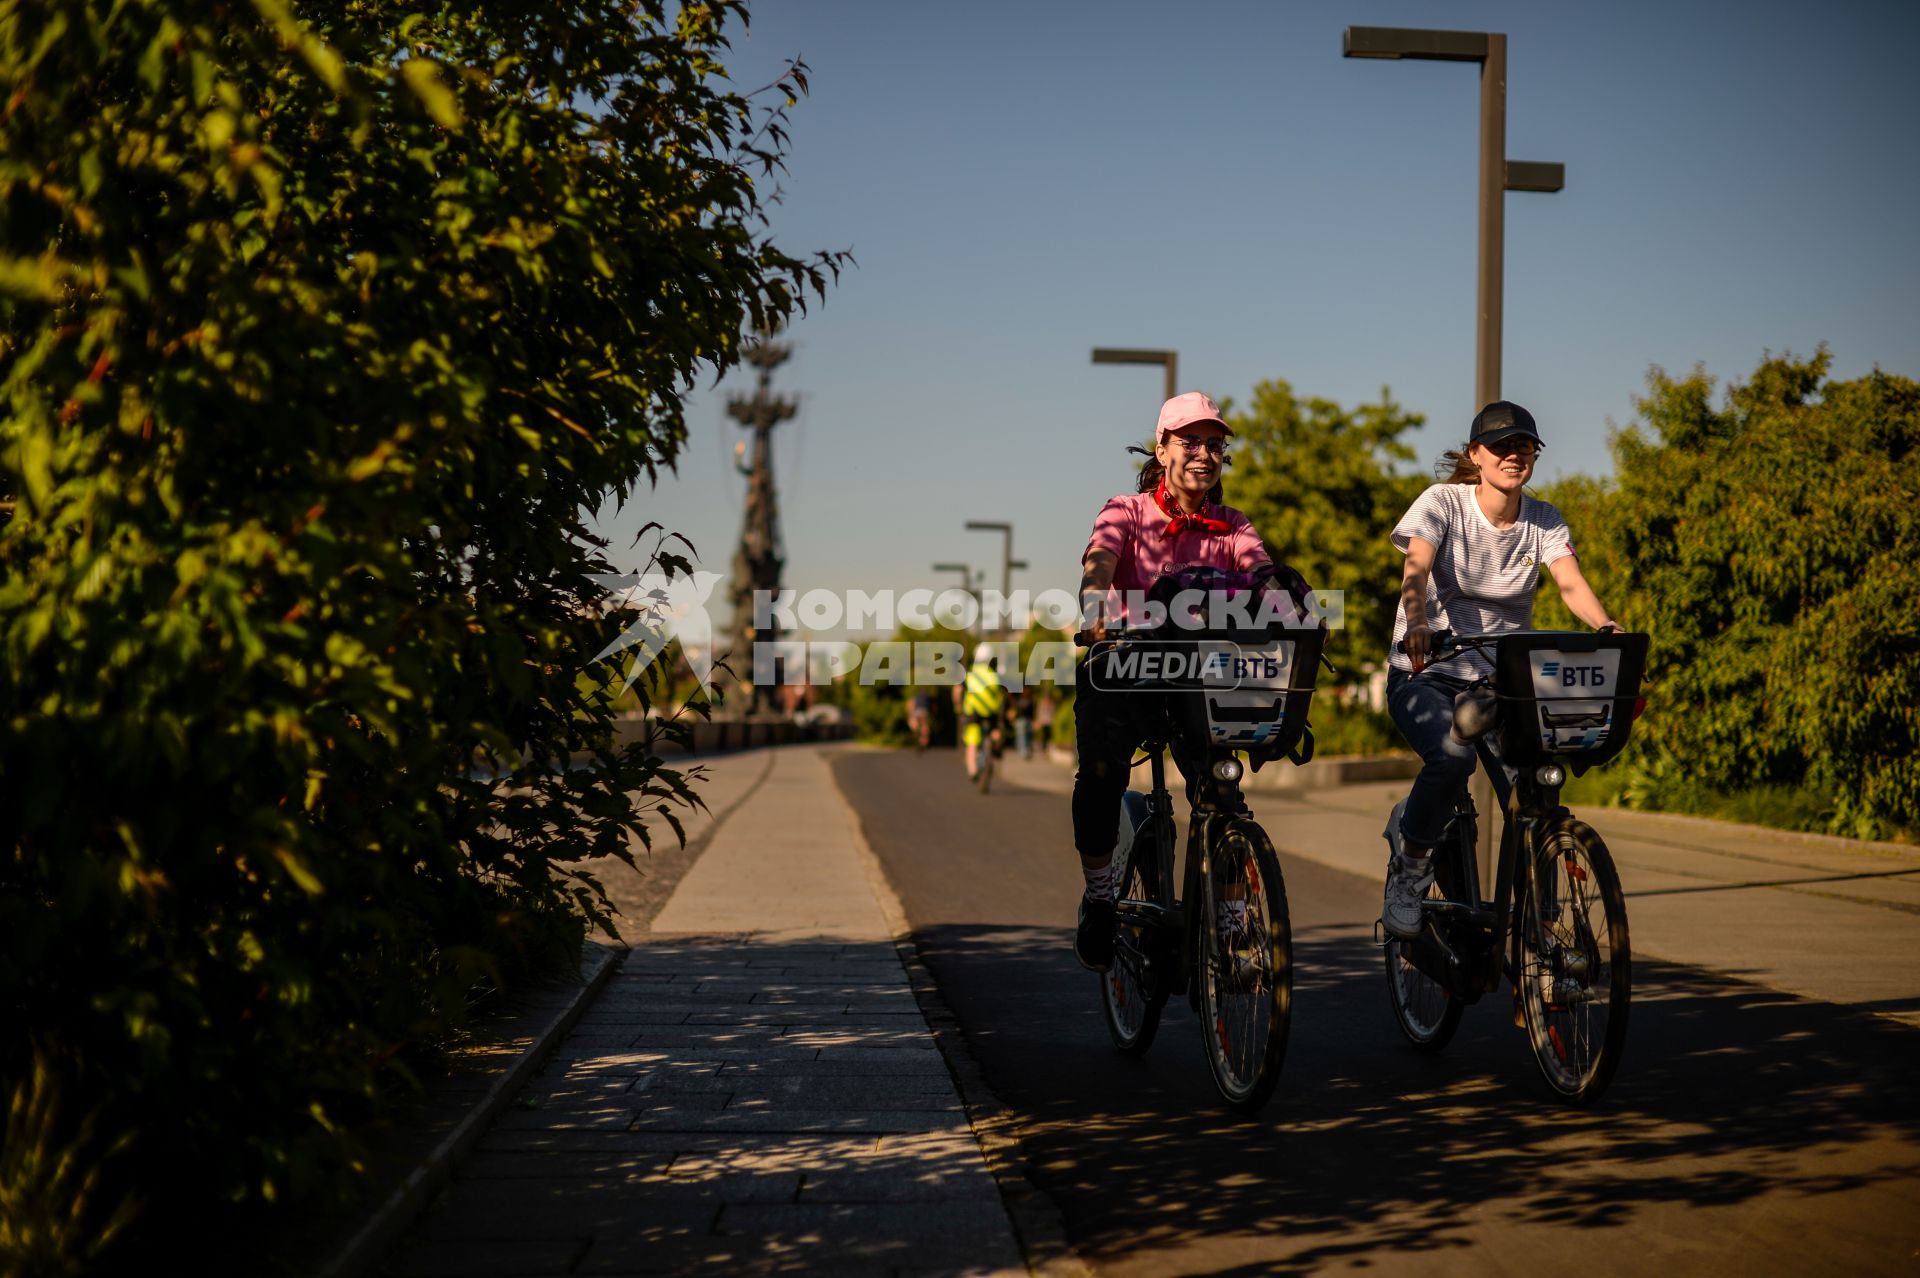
(423, 77)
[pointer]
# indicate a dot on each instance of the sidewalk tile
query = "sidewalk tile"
(757, 1093)
(463, 1258)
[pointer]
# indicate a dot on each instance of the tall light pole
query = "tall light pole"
(1007, 562)
(1498, 174)
(1169, 359)
(965, 571)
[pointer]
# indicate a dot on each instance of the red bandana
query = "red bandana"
(1178, 521)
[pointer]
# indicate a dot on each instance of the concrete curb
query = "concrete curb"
(1810, 838)
(389, 1222)
(1037, 1224)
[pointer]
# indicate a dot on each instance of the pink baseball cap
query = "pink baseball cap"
(1187, 410)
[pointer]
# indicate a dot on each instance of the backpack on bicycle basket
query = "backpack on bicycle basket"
(1261, 642)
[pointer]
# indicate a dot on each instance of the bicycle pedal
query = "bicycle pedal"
(1380, 932)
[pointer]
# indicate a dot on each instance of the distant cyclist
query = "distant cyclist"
(1475, 544)
(920, 718)
(983, 702)
(1174, 519)
(1023, 710)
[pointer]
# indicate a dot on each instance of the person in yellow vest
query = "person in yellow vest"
(982, 701)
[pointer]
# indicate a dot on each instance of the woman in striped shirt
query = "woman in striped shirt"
(1475, 544)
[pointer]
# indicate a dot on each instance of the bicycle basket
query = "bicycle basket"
(1263, 708)
(1568, 694)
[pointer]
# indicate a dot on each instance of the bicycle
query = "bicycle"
(992, 741)
(1225, 940)
(1560, 700)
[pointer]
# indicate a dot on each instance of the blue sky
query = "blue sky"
(1021, 182)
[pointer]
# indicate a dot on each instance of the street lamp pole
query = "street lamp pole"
(1498, 174)
(965, 571)
(1007, 562)
(1170, 360)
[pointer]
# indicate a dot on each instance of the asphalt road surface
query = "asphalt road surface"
(1747, 1131)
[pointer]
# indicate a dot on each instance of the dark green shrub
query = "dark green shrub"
(1766, 547)
(320, 329)
(1342, 727)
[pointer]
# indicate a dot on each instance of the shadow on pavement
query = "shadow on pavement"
(1747, 1129)
(729, 1105)
(1728, 1094)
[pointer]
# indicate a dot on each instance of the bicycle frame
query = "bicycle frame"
(1564, 702)
(1213, 800)
(1524, 803)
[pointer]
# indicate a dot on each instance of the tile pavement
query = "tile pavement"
(755, 1091)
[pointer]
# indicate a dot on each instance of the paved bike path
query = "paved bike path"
(1831, 919)
(1748, 1130)
(755, 1091)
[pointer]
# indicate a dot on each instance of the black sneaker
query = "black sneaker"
(1093, 939)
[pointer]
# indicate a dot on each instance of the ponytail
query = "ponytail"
(1456, 467)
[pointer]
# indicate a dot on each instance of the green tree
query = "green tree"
(880, 709)
(1318, 481)
(321, 325)
(1766, 546)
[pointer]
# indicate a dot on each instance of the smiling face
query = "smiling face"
(1506, 465)
(1192, 457)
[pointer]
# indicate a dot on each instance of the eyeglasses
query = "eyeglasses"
(1513, 444)
(1216, 445)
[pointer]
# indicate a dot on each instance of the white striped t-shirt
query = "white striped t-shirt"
(1483, 577)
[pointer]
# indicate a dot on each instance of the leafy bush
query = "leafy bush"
(318, 333)
(880, 714)
(1349, 727)
(1317, 481)
(51, 1219)
(1766, 547)
(880, 709)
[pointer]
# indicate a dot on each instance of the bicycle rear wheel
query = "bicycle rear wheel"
(1425, 1009)
(1246, 969)
(1575, 970)
(1131, 1002)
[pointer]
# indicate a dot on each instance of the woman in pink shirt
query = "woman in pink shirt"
(1174, 520)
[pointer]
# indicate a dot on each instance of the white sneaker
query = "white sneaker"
(1395, 844)
(1407, 884)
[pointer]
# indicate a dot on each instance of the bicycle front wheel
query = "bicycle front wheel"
(1575, 972)
(1246, 969)
(1132, 1002)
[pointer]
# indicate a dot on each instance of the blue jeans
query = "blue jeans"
(1422, 708)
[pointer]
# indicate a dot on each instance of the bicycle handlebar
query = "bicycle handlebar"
(1443, 644)
(1155, 634)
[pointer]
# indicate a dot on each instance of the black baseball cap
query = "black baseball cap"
(1502, 420)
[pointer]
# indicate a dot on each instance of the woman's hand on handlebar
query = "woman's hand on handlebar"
(1418, 645)
(1096, 632)
(1093, 611)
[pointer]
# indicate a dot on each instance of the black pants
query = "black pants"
(1108, 726)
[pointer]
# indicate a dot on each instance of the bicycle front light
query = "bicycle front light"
(1227, 770)
(1550, 774)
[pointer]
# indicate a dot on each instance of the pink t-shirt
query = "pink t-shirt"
(1134, 528)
